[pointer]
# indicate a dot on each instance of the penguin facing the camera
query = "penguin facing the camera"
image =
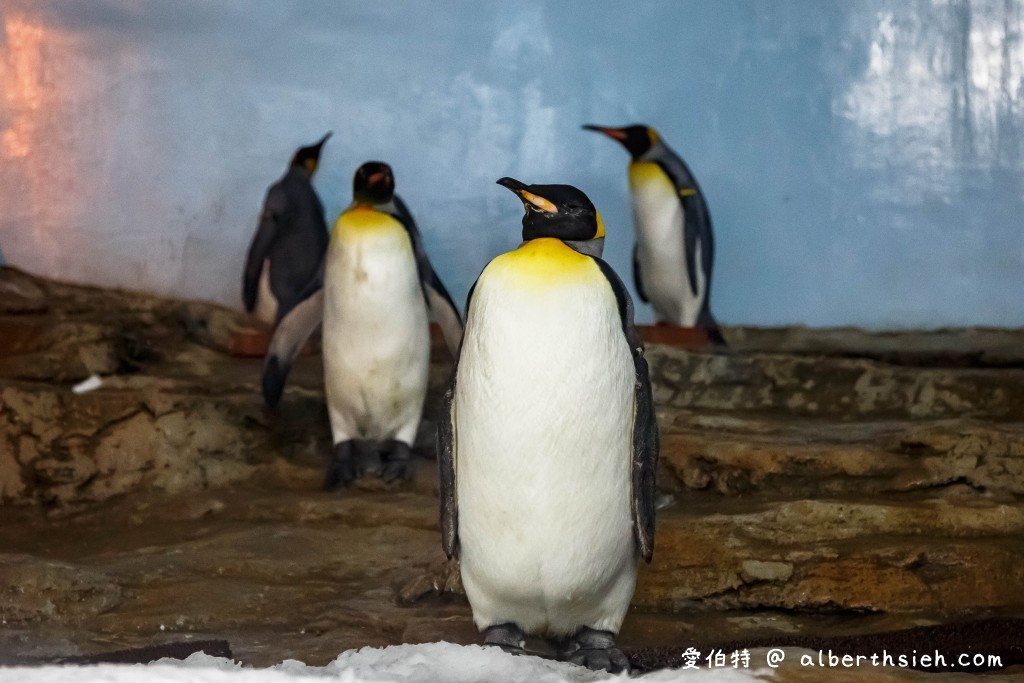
(378, 292)
(289, 244)
(674, 250)
(548, 445)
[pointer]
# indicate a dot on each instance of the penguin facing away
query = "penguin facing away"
(290, 241)
(378, 290)
(548, 454)
(673, 254)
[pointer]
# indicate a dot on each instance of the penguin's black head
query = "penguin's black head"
(373, 183)
(309, 157)
(560, 211)
(637, 138)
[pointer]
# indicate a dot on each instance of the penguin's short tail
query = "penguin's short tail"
(707, 324)
(714, 334)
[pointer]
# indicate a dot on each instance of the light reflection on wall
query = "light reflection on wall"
(24, 93)
(57, 133)
(937, 136)
(21, 69)
(944, 78)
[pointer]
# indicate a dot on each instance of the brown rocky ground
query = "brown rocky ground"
(817, 482)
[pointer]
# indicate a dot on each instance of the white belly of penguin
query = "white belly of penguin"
(376, 344)
(661, 250)
(544, 418)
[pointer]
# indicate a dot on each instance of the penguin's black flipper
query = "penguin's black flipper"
(274, 206)
(445, 446)
(645, 424)
(446, 469)
(438, 299)
(272, 380)
(637, 281)
(691, 240)
(697, 231)
(290, 335)
(645, 457)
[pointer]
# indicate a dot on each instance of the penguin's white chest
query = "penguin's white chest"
(376, 342)
(543, 422)
(661, 249)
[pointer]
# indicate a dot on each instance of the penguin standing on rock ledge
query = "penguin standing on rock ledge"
(379, 291)
(675, 249)
(290, 242)
(547, 446)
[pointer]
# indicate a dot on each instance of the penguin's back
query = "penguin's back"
(298, 247)
(544, 410)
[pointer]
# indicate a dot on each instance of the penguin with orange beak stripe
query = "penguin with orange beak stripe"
(674, 250)
(548, 444)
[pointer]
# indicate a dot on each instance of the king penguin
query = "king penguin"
(378, 292)
(674, 250)
(290, 241)
(373, 186)
(548, 454)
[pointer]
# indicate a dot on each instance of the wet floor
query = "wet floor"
(287, 571)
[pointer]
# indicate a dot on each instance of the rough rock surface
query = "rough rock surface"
(814, 481)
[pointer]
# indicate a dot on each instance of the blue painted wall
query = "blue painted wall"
(862, 159)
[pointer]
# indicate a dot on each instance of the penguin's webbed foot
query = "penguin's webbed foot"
(593, 649)
(398, 462)
(596, 659)
(341, 469)
(358, 459)
(508, 637)
(367, 459)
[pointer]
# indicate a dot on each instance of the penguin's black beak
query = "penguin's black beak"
(617, 134)
(530, 199)
(316, 147)
(512, 184)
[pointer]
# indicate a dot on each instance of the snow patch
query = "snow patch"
(424, 663)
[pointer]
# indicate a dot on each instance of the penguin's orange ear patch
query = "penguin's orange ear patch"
(600, 225)
(653, 136)
(538, 202)
(310, 165)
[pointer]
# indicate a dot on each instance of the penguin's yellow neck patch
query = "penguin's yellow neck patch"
(648, 173)
(364, 220)
(544, 261)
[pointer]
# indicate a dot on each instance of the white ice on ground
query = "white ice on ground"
(426, 663)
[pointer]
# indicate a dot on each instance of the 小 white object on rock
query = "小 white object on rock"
(91, 383)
